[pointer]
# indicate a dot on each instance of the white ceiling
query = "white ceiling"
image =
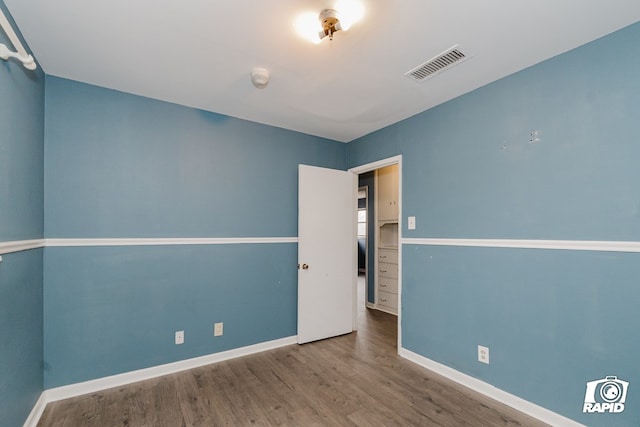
(200, 53)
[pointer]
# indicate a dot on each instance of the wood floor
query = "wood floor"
(352, 380)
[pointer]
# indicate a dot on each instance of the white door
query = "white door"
(326, 252)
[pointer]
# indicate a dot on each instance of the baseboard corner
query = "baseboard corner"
(37, 410)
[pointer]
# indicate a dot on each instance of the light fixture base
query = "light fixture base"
(330, 22)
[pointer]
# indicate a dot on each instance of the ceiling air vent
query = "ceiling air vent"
(444, 61)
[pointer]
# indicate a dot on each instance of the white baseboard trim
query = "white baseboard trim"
(374, 306)
(385, 310)
(488, 390)
(92, 386)
(36, 412)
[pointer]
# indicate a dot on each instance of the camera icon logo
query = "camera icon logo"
(606, 395)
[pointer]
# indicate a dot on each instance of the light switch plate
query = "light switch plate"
(411, 223)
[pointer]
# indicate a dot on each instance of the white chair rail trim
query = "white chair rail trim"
(23, 245)
(20, 245)
(573, 245)
(168, 241)
(570, 245)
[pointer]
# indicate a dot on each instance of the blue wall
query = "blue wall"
(119, 165)
(21, 218)
(21, 145)
(553, 319)
(115, 309)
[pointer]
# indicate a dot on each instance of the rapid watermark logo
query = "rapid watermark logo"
(605, 395)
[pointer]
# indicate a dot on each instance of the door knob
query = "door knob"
(305, 266)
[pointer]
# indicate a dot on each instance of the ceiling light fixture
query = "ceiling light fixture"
(330, 23)
(341, 17)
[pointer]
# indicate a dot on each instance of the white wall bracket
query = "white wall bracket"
(21, 54)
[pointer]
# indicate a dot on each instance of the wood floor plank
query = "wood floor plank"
(352, 380)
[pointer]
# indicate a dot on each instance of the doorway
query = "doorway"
(383, 253)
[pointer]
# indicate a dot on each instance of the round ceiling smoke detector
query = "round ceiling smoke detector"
(260, 77)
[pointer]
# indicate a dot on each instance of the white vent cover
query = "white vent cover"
(444, 61)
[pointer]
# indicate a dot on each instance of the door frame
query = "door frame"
(368, 167)
(365, 188)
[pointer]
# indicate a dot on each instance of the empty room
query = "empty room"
(340, 212)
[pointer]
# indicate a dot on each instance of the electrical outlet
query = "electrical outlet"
(217, 329)
(179, 337)
(483, 354)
